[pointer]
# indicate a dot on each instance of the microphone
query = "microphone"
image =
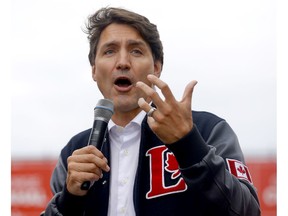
(102, 114)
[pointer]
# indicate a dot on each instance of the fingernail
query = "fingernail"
(105, 159)
(141, 101)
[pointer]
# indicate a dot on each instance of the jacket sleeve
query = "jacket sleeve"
(203, 165)
(62, 198)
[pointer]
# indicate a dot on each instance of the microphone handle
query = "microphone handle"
(97, 134)
(96, 138)
(85, 185)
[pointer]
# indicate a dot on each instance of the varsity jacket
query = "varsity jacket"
(202, 174)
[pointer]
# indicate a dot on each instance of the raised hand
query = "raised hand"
(172, 119)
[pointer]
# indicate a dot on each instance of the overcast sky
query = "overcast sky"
(229, 47)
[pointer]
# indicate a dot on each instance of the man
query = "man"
(158, 158)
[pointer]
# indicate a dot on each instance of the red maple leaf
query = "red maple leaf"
(172, 165)
(241, 170)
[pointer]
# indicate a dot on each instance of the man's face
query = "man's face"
(122, 59)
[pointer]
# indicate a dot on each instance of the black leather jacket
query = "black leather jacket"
(199, 182)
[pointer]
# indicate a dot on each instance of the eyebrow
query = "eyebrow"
(137, 43)
(129, 42)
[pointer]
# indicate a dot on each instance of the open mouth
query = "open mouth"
(123, 83)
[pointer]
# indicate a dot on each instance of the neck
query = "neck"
(123, 118)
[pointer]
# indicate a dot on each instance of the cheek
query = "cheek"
(144, 72)
(103, 81)
(100, 73)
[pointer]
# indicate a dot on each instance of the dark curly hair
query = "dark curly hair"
(105, 16)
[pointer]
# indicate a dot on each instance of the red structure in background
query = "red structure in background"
(30, 190)
(264, 175)
(30, 186)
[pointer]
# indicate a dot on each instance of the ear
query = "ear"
(157, 68)
(94, 73)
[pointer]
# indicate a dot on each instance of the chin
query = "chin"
(125, 104)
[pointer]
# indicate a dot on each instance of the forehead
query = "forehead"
(119, 33)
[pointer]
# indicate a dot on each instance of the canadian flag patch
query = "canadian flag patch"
(238, 169)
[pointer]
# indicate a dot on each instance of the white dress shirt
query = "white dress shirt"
(124, 142)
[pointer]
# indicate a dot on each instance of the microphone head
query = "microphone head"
(104, 110)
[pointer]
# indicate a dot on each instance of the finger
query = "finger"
(187, 95)
(166, 91)
(84, 168)
(89, 158)
(89, 149)
(146, 107)
(151, 93)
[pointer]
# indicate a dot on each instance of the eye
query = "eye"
(109, 52)
(136, 52)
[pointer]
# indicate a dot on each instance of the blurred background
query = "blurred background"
(228, 46)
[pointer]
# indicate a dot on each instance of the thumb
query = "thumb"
(187, 95)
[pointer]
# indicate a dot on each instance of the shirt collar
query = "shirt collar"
(138, 120)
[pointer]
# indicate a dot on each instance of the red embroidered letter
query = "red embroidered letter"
(157, 173)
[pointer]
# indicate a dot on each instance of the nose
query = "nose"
(123, 61)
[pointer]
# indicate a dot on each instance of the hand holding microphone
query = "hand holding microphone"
(88, 162)
(102, 114)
